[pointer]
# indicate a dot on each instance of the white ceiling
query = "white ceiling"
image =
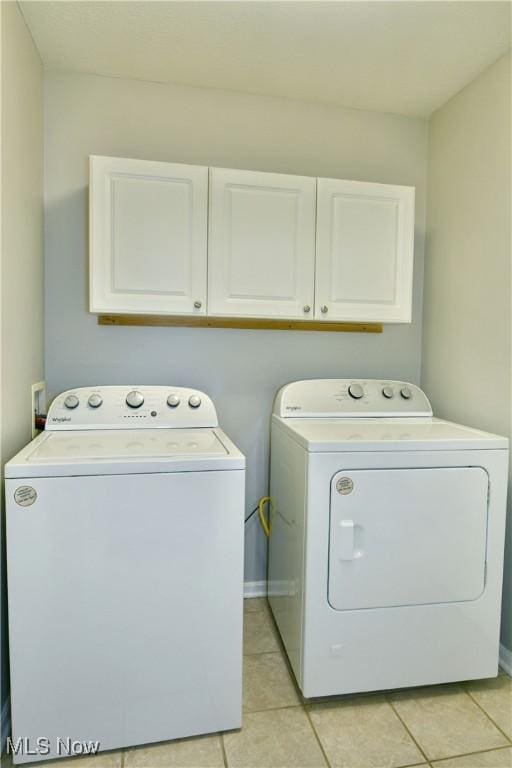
(405, 57)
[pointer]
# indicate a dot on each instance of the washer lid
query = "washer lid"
(125, 451)
(121, 444)
(383, 434)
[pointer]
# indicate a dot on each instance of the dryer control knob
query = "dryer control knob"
(356, 391)
(173, 401)
(388, 392)
(194, 401)
(134, 399)
(406, 393)
(71, 401)
(95, 400)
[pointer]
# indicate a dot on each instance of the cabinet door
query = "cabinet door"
(148, 236)
(261, 246)
(364, 251)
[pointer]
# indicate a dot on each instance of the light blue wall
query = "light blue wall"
(241, 370)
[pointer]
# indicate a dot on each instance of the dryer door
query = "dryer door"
(407, 536)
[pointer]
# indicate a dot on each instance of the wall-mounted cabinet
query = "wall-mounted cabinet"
(148, 236)
(171, 239)
(364, 251)
(261, 244)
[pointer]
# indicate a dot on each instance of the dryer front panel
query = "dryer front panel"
(407, 536)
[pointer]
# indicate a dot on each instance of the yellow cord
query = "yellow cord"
(264, 524)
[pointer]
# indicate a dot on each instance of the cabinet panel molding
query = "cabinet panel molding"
(364, 251)
(148, 236)
(261, 245)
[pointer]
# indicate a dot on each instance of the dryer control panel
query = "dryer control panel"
(351, 398)
(131, 407)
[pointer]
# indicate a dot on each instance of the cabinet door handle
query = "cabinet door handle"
(198, 304)
(324, 309)
(307, 308)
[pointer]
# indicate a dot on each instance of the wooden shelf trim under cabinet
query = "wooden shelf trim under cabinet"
(267, 324)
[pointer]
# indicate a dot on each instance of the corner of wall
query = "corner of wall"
(21, 260)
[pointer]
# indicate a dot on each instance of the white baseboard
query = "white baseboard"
(255, 589)
(506, 660)
(5, 724)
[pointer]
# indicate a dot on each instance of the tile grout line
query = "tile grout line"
(387, 698)
(223, 747)
(343, 698)
(317, 737)
(271, 709)
(470, 754)
(473, 699)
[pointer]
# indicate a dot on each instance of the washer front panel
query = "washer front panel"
(125, 603)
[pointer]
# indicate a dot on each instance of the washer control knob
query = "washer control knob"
(406, 393)
(134, 399)
(173, 401)
(194, 401)
(387, 391)
(71, 402)
(356, 391)
(95, 400)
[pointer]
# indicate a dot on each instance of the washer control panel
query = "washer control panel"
(131, 407)
(351, 398)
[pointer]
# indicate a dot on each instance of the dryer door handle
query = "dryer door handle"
(346, 540)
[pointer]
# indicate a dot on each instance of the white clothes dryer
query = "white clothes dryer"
(387, 537)
(125, 572)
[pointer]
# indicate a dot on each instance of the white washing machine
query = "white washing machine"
(125, 572)
(387, 536)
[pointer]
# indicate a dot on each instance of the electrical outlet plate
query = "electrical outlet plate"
(38, 403)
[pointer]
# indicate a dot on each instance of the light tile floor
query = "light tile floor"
(468, 725)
